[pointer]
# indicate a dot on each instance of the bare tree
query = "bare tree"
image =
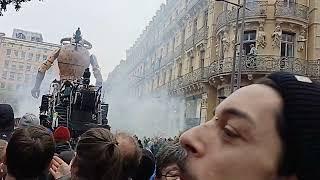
(16, 3)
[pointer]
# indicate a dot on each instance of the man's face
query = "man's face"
(240, 142)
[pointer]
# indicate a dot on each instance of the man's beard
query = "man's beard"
(187, 172)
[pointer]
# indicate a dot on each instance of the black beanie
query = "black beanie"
(6, 121)
(301, 130)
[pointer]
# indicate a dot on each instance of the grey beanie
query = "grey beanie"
(29, 120)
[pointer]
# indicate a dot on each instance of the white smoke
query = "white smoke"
(25, 103)
(148, 115)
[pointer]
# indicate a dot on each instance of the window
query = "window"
(35, 69)
(19, 76)
(6, 64)
(8, 52)
(287, 44)
(18, 87)
(289, 2)
(221, 95)
(27, 77)
(4, 74)
(38, 57)
(16, 53)
(28, 68)
(9, 86)
(206, 19)
(12, 75)
(23, 55)
(21, 67)
(158, 80)
(196, 24)
(191, 65)
(170, 75)
(20, 36)
(249, 39)
(179, 69)
(2, 85)
(30, 56)
(13, 66)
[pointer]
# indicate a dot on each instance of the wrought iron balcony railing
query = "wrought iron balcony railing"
(313, 69)
(291, 10)
(189, 43)
(265, 64)
(200, 35)
(257, 9)
(195, 76)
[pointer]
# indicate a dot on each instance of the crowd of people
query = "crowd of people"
(269, 130)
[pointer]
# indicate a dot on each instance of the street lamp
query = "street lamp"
(243, 6)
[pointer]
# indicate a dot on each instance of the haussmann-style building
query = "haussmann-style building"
(20, 57)
(187, 50)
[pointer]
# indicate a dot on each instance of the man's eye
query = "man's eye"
(230, 132)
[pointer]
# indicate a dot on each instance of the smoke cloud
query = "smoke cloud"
(25, 103)
(145, 115)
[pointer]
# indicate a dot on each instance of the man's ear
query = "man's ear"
(294, 177)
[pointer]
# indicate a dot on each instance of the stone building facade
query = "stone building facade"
(20, 57)
(188, 48)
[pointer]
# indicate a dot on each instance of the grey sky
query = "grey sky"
(111, 26)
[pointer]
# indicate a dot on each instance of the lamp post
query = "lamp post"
(233, 74)
(241, 44)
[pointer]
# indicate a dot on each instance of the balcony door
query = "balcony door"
(289, 3)
(249, 39)
(287, 44)
(287, 51)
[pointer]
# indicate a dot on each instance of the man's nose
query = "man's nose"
(192, 141)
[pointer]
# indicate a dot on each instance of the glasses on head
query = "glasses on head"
(171, 176)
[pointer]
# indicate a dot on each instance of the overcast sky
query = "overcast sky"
(111, 26)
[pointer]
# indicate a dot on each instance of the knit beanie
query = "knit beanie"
(62, 134)
(301, 125)
(29, 120)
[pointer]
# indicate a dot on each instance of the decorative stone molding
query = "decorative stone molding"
(302, 40)
(276, 36)
(190, 53)
(217, 48)
(226, 42)
(250, 77)
(261, 37)
(204, 101)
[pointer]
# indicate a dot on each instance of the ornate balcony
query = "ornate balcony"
(265, 64)
(189, 43)
(200, 35)
(258, 9)
(313, 70)
(198, 75)
(292, 10)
